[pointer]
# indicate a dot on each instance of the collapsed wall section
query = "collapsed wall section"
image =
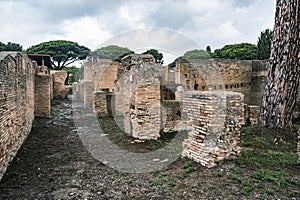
(215, 119)
(16, 103)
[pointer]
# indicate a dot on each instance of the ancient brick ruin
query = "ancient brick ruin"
(26, 90)
(210, 99)
(145, 98)
(215, 119)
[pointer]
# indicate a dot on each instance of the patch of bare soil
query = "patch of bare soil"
(54, 164)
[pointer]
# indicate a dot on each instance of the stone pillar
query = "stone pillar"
(119, 97)
(88, 88)
(59, 78)
(215, 118)
(75, 89)
(42, 95)
(99, 103)
(142, 106)
(81, 90)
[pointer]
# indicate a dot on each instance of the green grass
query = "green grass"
(268, 147)
(188, 168)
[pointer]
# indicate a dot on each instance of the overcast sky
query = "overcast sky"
(93, 22)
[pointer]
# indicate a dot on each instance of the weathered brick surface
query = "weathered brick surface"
(252, 113)
(142, 99)
(16, 103)
(171, 115)
(42, 106)
(100, 103)
(59, 78)
(215, 119)
(93, 71)
(106, 81)
(245, 76)
(88, 88)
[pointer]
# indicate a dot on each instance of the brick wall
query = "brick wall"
(88, 88)
(43, 88)
(215, 74)
(59, 77)
(171, 115)
(16, 103)
(107, 79)
(100, 103)
(215, 119)
(141, 90)
(93, 71)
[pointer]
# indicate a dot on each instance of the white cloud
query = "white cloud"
(91, 22)
(86, 31)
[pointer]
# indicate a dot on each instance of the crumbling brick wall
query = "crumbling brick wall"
(16, 103)
(215, 119)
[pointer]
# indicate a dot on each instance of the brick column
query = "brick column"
(88, 88)
(99, 103)
(42, 95)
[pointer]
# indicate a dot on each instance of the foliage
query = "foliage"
(73, 74)
(119, 59)
(62, 52)
(188, 168)
(192, 54)
(242, 51)
(208, 49)
(196, 54)
(264, 44)
(112, 52)
(158, 56)
(10, 46)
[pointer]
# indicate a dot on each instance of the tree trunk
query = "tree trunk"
(280, 93)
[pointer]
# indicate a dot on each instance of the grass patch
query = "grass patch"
(271, 147)
(188, 168)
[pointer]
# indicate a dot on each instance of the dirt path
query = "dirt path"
(54, 164)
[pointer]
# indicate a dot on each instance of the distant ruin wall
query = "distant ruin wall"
(94, 71)
(16, 103)
(88, 88)
(244, 76)
(171, 115)
(107, 79)
(59, 78)
(100, 103)
(42, 106)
